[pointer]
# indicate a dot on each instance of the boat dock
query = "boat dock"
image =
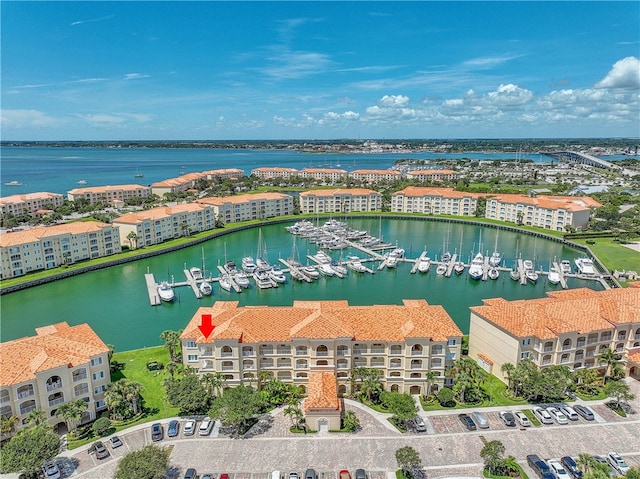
(523, 276)
(152, 289)
(414, 268)
(370, 252)
(234, 285)
(451, 264)
(192, 282)
(485, 268)
(563, 281)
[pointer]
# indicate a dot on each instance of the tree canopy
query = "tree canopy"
(29, 449)
(188, 394)
(150, 462)
(236, 407)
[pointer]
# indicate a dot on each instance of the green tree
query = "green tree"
(276, 393)
(132, 237)
(213, 383)
(633, 473)
(508, 370)
(101, 426)
(172, 343)
(620, 391)
(150, 462)
(586, 380)
(611, 359)
(493, 456)
(295, 414)
(350, 421)
(445, 397)
(429, 378)
(36, 417)
(123, 398)
(7, 424)
(72, 413)
(29, 449)
(188, 395)
(408, 459)
(236, 407)
(402, 406)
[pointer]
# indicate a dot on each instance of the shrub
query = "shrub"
(102, 426)
(445, 397)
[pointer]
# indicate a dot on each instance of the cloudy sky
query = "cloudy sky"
(319, 70)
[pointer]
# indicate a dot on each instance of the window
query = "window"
(526, 342)
(100, 389)
(192, 357)
(190, 343)
(525, 355)
(97, 376)
(96, 361)
(452, 342)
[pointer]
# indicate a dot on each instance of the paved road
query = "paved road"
(446, 450)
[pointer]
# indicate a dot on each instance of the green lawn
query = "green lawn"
(614, 255)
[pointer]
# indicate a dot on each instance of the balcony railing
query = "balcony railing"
(548, 349)
(377, 350)
(357, 351)
(248, 366)
(566, 347)
(342, 352)
(81, 391)
(4, 399)
(248, 352)
(54, 386)
(301, 352)
(26, 410)
(546, 361)
(226, 354)
(322, 353)
(207, 353)
(416, 352)
(342, 366)
(284, 351)
(266, 351)
(416, 366)
(360, 364)
(377, 364)
(396, 351)
(592, 340)
(284, 365)
(55, 402)
(79, 377)
(579, 357)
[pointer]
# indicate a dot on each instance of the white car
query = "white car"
(51, 471)
(522, 419)
(557, 415)
(543, 415)
(189, 428)
(206, 426)
(617, 462)
(557, 469)
(569, 412)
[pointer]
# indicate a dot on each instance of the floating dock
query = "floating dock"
(234, 285)
(152, 289)
(451, 264)
(523, 276)
(191, 281)
(563, 281)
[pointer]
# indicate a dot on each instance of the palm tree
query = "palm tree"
(508, 369)
(133, 393)
(611, 359)
(172, 342)
(7, 424)
(36, 417)
(213, 383)
(133, 239)
(294, 413)
(171, 368)
(430, 377)
(585, 463)
(72, 413)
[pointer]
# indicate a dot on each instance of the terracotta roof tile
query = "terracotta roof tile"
(341, 191)
(323, 392)
(420, 191)
(239, 199)
(39, 233)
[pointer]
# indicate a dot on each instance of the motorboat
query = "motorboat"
(495, 259)
(398, 252)
(493, 273)
(262, 279)
(277, 275)
(531, 275)
(476, 267)
(527, 264)
(322, 257)
(458, 267)
(196, 273)
(205, 288)
(354, 264)
(424, 263)
(514, 274)
(82, 182)
(248, 264)
(392, 260)
(446, 257)
(310, 272)
(326, 269)
(262, 264)
(585, 266)
(13, 183)
(241, 279)
(299, 275)
(441, 269)
(230, 267)
(565, 266)
(166, 293)
(338, 268)
(553, 277)
(225, 282)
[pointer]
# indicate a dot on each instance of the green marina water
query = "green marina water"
(115, 303)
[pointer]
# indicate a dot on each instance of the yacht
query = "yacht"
(392, 260)
(441, 269)
(475, 268)
(82, 182)
(230, 267)
(354, 264)
(458, 267)
(446, 257)
(565, 266)
(310, 272)
(248, 265)
(529, 271)
(514, 274)
(205, 288)
(424, 263)
(495, 259)
(196, 273)
(277, 275)
(299, 275)
(326, 269)
(323, 257)
(553, 276)
(337, 267)
(585, 266)
(13, 183)
(262, 279)
(225, 282)
(241, 279)
(262, 264)
(493, 273)
(165, 291)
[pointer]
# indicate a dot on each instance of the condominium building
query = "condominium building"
(176, 185)
(30, 203)
(404, 342)
(224, 174)
(549, 212)
(340, 200)
(112, 195)
(375, 176)
(47, 247)
(156, 225)
(569, 328)
(60, 364)
(256, 206)
(275, 172)
(326, 175)
(434, 201)
(433, 175)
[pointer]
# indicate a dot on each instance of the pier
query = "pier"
(152, 289)
(563, 281)
(191, 281)
(485, 268)
(234, 285)
(451, 264)
(521, 271)
(414, 268)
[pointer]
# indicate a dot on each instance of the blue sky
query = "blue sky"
(319, 70)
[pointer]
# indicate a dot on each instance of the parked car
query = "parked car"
(467, 422)
(480, 419)
(99, 449)
(557, 415)
(189, 428)
(174, 428)
(310, 474)
(157, 432)
(190, 473)
(618, 463)
(543, 415)
(612, 472)
(584, 411)
(293, 475)
(115, 442)
(50, 470)
(360, 474)
(206, 426)
(571, 467)
(508, 418)
(224, 475)
(557, 469)
(540, 467)
(344, 474)
(522, 419)
(418, 424)
(277, 475)
(207, 475)
(570, 413)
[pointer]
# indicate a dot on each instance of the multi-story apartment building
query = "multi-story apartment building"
(569, 328)
(30, 203)
(176, 185)
(549, 212)
(256, 206)
(48, 247)
(60, 364)
(340, 200)
(166, 222)
(433, 175)
(403, 342)
(275, 172)
(375, 176)
(326, 175)
(112, 195)
(434, 201)
(224, 174)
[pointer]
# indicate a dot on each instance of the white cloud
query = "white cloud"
(296, 65)
(509, 96)
(625, 73)
(489, 62)
(115, 119)
(135, 76)
(394, 101)
(25, 118)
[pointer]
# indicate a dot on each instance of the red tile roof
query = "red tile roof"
(323, 392)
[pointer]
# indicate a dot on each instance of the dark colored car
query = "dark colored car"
(157, 432)
(540, 467)
(190, 473)
(508, 419)
(571, 467)
(310, 474)
(467, 421)
(360, 474)
(174, 428)
(584, 411)
(115, 442)
(99, 449)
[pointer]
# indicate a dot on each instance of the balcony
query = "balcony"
(266, 351)
(579, 357)
(566, 347)
(416, 352)
(322, 353)
(25, 394)
(284, 351)
(226, 354)
(227, 368)
(377, 350)
(377, 364)
(81, 391)
(248, 352)
(55, 402)
(79, 377)
(26, 410)
(358, 352)
(54, 386)
(342, 352)
(547, 349)
(360, 364)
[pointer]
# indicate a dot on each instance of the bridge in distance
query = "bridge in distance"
(583, 159)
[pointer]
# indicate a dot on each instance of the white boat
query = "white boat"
(196, 273)
(475, 268)
(514, 274)
(392, 261)
(322, 257)
(553, 277)
(13, 183)
(326, 269)
(205, 288)
(585, 266)
(262, 279)
(354, 264)
(165, 291)
(424, 263)
(528, 264)
(277, 275)
(241, 279)
(398, 252)
(339, 268)
(82, 182)
(531, 275)
(248, 265)
(310, 272)
(441, 269)
(262, 264)
(225, 282)
(458, 267)
(565, 266)
(493, 273)
(446, 257)
(230, 267)
(495, 259)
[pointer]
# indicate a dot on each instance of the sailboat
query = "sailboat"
(495, 258)
(458, 266)
(261, 263)
(138, 174)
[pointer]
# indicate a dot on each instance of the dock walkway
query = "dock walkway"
(450, 265)
(152, 289)
(563, 281)
(192, 282)
(521, 271)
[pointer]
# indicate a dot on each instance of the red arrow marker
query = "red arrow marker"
(206, 327)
